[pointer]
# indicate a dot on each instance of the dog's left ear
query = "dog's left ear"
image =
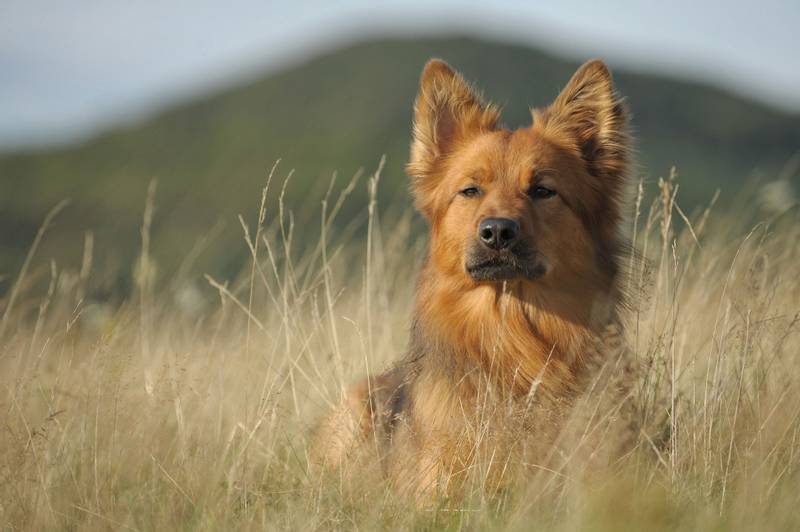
(592, 116)
(447, 112)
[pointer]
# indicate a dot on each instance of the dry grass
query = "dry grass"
(175, 411)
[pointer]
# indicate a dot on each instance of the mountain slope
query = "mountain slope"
(340, 112)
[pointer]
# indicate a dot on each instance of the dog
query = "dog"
(519, 286)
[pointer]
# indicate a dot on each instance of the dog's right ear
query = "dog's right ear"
(447, 111)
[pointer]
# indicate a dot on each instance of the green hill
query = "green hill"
(339, 112)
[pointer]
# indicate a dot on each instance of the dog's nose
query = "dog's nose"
(498, 233)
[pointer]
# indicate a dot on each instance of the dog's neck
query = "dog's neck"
(521, 333)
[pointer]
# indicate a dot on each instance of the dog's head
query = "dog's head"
(539, 204)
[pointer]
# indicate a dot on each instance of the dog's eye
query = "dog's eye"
(540, 192)
(470, 192)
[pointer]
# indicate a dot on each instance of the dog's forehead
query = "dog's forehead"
(512, 155)
(527, 147)
(480, 157)
(504, 155)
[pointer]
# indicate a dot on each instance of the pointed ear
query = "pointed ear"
(447, 111)
(591, 115)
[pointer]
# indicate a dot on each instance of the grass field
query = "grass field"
(189, 408)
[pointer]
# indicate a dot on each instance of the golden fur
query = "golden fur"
(488, 358)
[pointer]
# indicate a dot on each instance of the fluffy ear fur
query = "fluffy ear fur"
(590, 115)
(447, 111)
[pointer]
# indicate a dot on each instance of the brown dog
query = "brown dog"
(520, 281)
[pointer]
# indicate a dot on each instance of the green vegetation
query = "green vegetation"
(337, 112)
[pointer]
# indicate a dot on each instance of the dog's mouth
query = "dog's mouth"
(506, 265)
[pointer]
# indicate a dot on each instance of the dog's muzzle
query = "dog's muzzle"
(515, 262)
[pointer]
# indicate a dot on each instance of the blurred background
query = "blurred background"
(99, 98)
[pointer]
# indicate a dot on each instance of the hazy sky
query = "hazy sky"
(69, 68)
